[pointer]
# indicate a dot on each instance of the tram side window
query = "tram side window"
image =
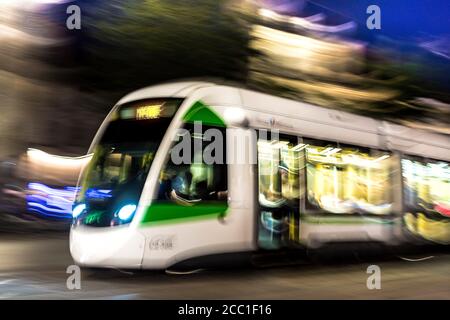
(279, 166)
(196, 180)
(343, 179)
(426, 186)
(426, 196)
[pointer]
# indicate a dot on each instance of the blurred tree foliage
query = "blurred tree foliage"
(415, 74)
(133, 43)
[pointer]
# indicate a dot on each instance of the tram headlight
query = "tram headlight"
(126, 212)
(78, 209)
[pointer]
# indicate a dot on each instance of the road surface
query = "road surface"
(34, 267)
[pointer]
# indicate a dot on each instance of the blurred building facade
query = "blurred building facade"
(41, 104)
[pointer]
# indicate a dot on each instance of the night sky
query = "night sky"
(399, 19)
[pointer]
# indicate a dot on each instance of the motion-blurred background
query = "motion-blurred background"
(57, 85)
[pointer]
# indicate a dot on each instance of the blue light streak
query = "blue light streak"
(50, 202)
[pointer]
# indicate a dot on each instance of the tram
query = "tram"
(185, 170)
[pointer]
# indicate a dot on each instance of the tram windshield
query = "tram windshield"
(112, 183)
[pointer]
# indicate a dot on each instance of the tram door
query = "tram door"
(280, 164)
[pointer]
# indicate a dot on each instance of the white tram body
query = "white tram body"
(234, 224)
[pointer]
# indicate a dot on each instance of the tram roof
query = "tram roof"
(177, 89)
(398, 136)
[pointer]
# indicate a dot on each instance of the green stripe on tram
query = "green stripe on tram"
(203, 113)
(161, 213)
